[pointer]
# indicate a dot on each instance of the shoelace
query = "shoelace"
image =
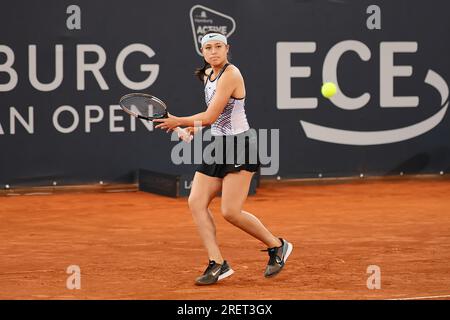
(272, 255)
(210, 266)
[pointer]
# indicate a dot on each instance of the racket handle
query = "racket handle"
(183, 134)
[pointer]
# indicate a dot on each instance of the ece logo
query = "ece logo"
(388, 72)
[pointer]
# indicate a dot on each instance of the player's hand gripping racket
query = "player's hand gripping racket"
(148, 107)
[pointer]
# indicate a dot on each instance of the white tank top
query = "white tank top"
(232, 120)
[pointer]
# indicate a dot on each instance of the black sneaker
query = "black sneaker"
(277, 258)
(214, 272)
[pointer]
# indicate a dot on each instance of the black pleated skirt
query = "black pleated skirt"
(232, 153)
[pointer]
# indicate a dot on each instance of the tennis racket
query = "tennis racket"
(148, 107)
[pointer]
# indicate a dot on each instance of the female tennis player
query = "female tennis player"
(225, 113)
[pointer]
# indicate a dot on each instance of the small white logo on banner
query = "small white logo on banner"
(204, 19)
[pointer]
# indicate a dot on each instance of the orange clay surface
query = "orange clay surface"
(136, 245)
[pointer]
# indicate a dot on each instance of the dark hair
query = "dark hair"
(200, 73)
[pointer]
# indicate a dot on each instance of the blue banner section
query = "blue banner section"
(65, 64)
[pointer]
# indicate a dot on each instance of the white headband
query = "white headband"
(214, 37)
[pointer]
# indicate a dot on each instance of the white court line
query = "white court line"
(418, 298)
(37, 193)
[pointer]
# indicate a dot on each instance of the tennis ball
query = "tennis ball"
(328, 89)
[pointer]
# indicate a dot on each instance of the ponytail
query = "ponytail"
(201, 72)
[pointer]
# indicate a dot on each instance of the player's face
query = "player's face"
(215, 52)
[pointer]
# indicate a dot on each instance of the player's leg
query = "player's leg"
(204, 189)
(235, 188)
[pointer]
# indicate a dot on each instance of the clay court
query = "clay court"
(136, 245)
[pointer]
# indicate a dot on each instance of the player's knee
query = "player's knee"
(196, 204)
(230, 214)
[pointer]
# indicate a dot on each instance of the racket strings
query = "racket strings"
(145, 107)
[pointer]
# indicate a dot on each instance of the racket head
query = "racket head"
(143, 106)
